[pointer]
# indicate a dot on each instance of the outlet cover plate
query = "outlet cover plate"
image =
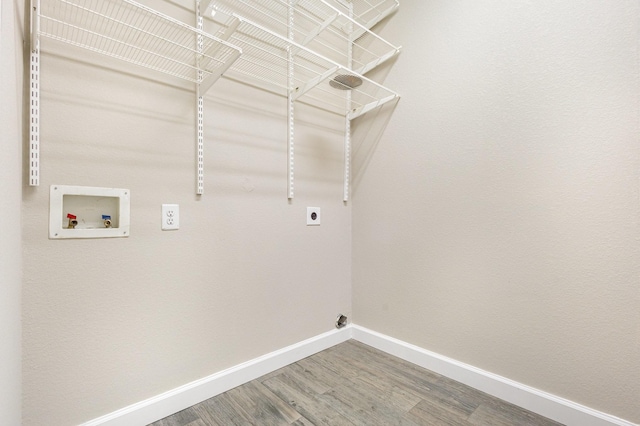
(170, 217)
(313, 216)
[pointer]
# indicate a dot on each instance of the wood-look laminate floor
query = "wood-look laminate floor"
(353, 384)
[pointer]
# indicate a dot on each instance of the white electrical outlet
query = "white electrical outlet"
(170, 217)
(313, 216)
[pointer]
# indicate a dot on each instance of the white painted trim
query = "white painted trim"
(543, 403)
(163, 405)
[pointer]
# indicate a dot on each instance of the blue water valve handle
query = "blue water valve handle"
(106, 216)
(107, 220)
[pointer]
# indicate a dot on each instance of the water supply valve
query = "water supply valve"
(107, 220)
(73, 221)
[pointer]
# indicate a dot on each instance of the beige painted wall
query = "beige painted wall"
(111, 322)
(497, 221)
(11, 25)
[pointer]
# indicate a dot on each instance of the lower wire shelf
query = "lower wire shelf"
(313, 78)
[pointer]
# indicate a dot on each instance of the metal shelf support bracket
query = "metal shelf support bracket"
(34, 97)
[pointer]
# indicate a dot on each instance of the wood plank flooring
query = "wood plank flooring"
(353, 384)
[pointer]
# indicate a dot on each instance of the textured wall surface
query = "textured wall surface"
(111, 322)
(497, 220)
(11, 28)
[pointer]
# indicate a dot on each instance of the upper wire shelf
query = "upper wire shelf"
(317, 24)
(367, 12)
(313, 79)
(134, 33)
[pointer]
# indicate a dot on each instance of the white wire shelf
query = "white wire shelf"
(315, 79)
(134, 33)
(319, 26)
(368, 12)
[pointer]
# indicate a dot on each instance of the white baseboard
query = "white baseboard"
(543, 403)
(158, 407)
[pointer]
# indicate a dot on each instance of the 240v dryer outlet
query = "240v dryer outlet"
(170, 217)
(313, 216)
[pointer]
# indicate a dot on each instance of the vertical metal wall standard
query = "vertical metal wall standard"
(34, 97)
(347, 119)
(290, 101)
(199, 109)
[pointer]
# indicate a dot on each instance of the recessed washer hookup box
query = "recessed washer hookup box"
(88, 212)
